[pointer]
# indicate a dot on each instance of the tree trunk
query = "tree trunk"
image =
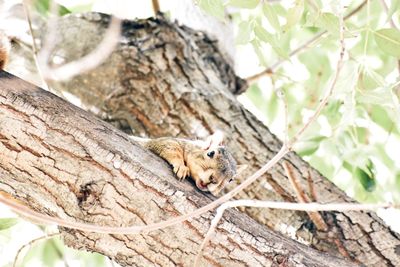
(65, 162)
(168, 80)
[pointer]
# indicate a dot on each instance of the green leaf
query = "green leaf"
(294, 14)
(244, 33)
(250, 4)
(272, 107)
(255, 95)
(329, 22)
(348, 77)
(381, 117)
(381, 96)
(309, 146)
(260, 55)
(6, 223)
(370, 79)
(270, 13)
(43, 8)
(388, 40)
(362, 134)
(213, 7)
(263, 34)
(81, 8)
(366, 179)
(267, 37)
(50, 255)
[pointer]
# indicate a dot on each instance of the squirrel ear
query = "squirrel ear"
(240, 168)
(213, 141)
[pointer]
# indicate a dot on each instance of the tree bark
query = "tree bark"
(168, 80)
(65, 162)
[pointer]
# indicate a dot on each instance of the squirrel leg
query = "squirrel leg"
(180, 169)
(172, 151)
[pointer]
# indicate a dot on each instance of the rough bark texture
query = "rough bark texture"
(167, 80)
(65, 162)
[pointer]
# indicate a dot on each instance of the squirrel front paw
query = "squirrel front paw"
(181, 171)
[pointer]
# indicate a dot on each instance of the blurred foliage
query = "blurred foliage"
(355, 139)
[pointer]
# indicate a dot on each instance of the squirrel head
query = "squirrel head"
(212, 169)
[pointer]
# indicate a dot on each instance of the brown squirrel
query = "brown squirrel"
(207, 162)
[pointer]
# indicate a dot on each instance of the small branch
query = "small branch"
(34, 47)
(302, 197)
(309, 207)
(156, 6)
(31, 243)
(311, 187)
(272, 69)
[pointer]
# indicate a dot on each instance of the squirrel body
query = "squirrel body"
(210, 166)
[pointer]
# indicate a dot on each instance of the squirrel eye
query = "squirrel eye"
(211, 154)
(230, 180)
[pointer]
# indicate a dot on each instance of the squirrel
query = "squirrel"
(207, 162)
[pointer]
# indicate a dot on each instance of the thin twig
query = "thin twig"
(301, 196)
(311, 187)
(31, 243)
(315, 217)
(34, 47)
(156, 6)
(269, 70)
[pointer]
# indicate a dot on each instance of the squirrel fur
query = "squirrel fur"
(210, 166)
